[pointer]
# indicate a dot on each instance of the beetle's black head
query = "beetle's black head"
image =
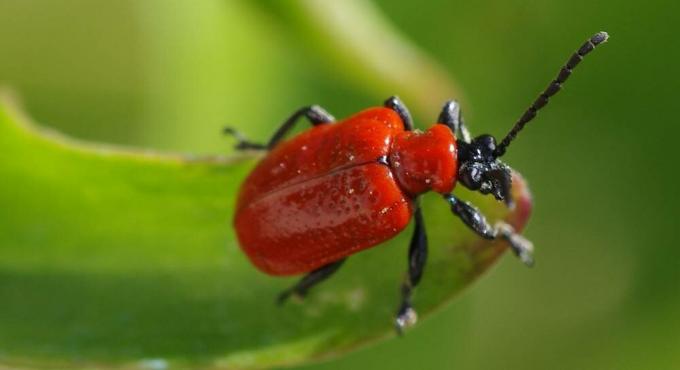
(479, 168)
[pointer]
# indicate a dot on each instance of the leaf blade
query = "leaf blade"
(114, 258)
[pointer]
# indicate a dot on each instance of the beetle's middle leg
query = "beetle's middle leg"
(308, 281)
(394, 103)
(314, 113)
(417, 256)
(476, 221)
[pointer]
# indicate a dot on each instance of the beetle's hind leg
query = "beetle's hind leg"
(308, 281)
(476, 221)
(314, 113)
(241, 142)
(417, 256)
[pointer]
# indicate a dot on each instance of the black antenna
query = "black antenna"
(551, 90)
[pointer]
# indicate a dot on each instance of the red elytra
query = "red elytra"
(331, 192)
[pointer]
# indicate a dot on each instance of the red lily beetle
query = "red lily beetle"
(336, 189)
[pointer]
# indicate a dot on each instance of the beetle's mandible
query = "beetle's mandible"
(341, 187)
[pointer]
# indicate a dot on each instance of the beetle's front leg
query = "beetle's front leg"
(475, 220)
(314, 113)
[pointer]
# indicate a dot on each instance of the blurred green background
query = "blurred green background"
(605, 292)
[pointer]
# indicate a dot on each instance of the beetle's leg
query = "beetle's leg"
(242, 143)
(308, 281)
(394, 103)
(417, 256)
(314, 113)
(477, 222)
(452, 117)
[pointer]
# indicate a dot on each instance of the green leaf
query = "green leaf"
(113, 257)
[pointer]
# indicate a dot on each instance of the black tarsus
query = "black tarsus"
(394, 103)
(242, 143)
(314, 113)
(522, 247)
(476, 221)
(451, 116)
(417, 256)
(313, 278)
(551, 90)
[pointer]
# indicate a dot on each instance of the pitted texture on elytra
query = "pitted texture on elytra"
(323, 219)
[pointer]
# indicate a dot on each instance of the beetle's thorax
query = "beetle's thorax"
(424, 161)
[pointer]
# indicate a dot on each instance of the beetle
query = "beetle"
(338, 188)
